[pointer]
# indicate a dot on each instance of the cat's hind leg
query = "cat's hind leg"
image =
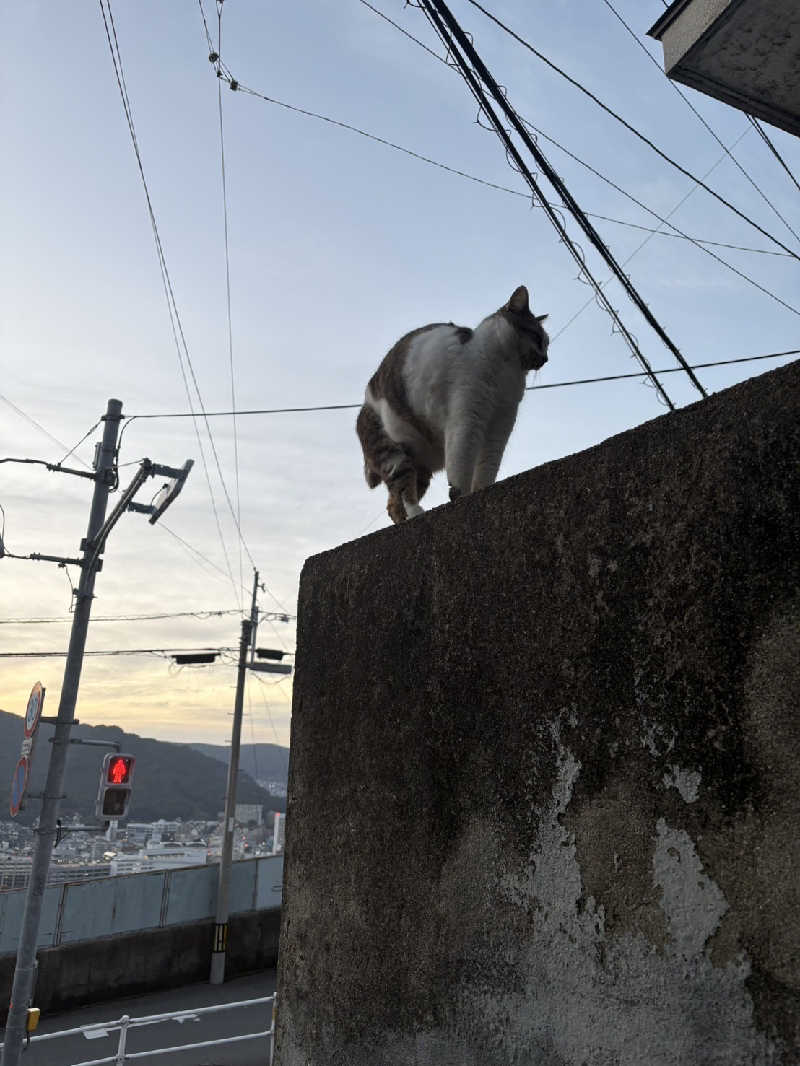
(395, 509)
(404, 485)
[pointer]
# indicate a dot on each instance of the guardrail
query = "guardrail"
(124, 1024)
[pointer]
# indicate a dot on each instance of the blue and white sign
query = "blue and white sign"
(34, 709)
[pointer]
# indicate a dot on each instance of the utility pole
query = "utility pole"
(45, 835)
(90, 562)
(220, 943)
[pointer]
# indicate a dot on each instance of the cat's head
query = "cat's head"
(532, 338)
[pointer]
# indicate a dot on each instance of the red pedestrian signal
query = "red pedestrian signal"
(116, 781)
(119, 769)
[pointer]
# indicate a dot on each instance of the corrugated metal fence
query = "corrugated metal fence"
(87, 910)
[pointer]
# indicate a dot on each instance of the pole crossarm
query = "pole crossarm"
(98, 542)
(62, 560)
(50, 829)
(56, 468)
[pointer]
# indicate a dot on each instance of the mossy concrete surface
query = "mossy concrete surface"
(544, 793)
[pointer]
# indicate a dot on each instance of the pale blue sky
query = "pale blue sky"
(338, 246)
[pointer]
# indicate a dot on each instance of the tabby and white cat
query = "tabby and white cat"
(445, 398)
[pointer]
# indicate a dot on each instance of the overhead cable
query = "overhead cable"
(116, 652)
(763, 135)
(467, 59)
(719, 259)
(699, 241)
(516, 192)
(549, 385)
(201, 615)
(664, 220)
(39, 426)
(228, 286)
(172, 306)
(631, 129)
(694, 110)
(517, 162)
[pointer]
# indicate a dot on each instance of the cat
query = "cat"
(445, 397)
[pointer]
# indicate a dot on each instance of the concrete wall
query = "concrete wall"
(132, 963)
(123, 935)
(544, 788)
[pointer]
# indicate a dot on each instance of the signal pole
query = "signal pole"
(46, 833)
(90, 562)
(220, 943)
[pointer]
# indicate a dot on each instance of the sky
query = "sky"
(338, 245)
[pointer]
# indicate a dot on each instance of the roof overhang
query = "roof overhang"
(743, 52)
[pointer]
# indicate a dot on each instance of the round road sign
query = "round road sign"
(19, 783)
(34, 709)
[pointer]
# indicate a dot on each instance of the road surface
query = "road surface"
(67, 1051)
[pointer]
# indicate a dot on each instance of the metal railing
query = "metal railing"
(97, 1030)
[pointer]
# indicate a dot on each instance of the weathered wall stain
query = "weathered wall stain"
(544, 795)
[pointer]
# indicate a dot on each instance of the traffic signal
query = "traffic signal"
(116, 784)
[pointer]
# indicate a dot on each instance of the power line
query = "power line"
(719, 259)
(228, 285)
(41, 428)
(116, 652)
(439, 13)
(591, 214)
(222, 71)
(694, 110)
(549, 210)
(664, 219)
(75, 447)
(763, 135)
(684, 237)
(551, 385)
(482, 181)
(195, 552)
(267, 706)
(172, 306)
(667, 370)
(630, 128)
(700, 244)
(201, 615)
(405, 32)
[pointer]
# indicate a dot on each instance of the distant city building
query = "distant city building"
(16, 872)
(141, 832)
(159, 856)
(249, 812)
(278, 830)
(275, 788)
(138, 832)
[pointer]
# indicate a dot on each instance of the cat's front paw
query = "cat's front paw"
(454, 492)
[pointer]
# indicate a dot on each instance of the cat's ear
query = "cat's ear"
(519, 300)
(541, 318)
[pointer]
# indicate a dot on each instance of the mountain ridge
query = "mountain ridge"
(170, 780)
